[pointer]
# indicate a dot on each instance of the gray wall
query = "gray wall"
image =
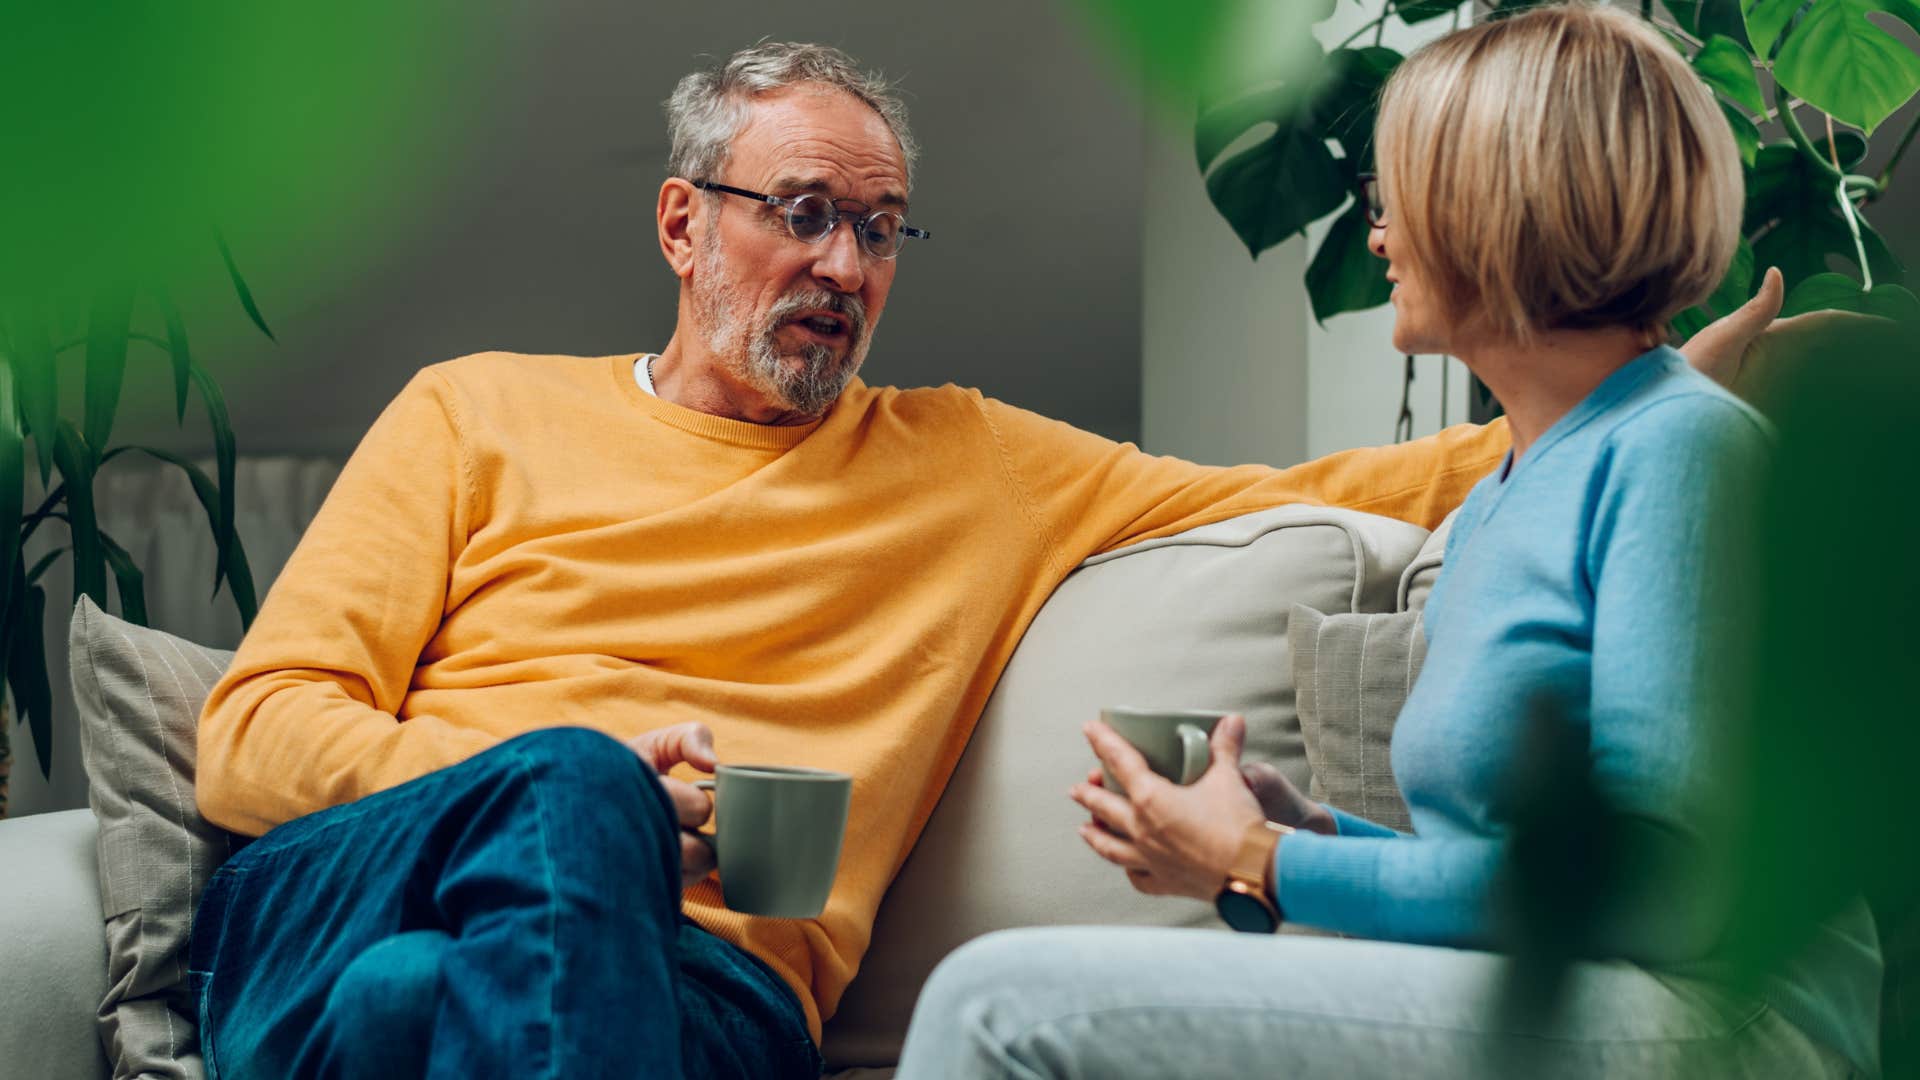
(531, 225)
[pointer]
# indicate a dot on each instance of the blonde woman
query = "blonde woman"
(1554, 187)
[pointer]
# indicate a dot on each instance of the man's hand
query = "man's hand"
(1171, 840)
(663, 749)
(1749, 349)
(1720, 349)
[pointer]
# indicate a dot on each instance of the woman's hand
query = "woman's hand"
(691, 743)
(1284, 803)
(1171, 840)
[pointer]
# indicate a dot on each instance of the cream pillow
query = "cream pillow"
(139, 693)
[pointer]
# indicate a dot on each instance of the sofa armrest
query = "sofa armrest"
(53, 951)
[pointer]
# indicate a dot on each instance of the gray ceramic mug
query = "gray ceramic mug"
(777, 833)
(1174, 741)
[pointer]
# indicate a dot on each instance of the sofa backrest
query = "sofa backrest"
(1193, 620)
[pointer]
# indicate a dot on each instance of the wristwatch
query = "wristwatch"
(1246, 901)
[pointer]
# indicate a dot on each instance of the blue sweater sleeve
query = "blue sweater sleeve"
(1657, 566)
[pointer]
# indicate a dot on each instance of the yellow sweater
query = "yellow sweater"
(522, 542)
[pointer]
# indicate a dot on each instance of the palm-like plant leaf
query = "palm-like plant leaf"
(12, 479)
(89, 555)
(224, 460)
(129, 581)
(27, 672)
(36, 381)
(239, 575)
(240, 287)
(107, 324)
(177, 348)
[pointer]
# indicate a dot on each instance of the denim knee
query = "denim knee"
(385, 1001)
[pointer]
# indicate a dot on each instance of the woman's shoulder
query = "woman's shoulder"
(1680, 414)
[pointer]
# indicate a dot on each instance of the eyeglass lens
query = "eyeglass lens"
(1375, 200)
(812, 217)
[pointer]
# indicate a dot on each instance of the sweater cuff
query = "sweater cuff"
(1347, 824)
(1323, 882)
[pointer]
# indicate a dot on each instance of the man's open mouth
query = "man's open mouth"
(824, 324)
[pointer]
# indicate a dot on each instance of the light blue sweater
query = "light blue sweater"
(1585, 574)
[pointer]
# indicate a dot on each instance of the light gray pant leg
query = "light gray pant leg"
(1105, 1003)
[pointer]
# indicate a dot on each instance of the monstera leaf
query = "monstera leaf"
(1838, 292)
(1838, 61)
(1726, 67)
(1273, 189)
(1289, 179)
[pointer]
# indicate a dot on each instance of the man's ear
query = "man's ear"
(676, 219)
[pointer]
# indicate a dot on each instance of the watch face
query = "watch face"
(1244, 913)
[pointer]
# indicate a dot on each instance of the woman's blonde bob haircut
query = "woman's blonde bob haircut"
(1561, 169)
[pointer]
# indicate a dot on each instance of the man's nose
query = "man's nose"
(1377, 240)
(836, 262)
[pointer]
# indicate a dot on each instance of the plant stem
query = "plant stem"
(1364, 27)
(1899, 151)
(1792, 123)
(1676, 31)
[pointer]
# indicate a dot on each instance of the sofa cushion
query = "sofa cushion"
(139, 693)
(1198, 619)
(1352, 672)
(54, 968)
(1417, 581)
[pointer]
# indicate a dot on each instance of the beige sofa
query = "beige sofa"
(1198, 619)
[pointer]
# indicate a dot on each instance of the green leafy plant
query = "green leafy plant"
(37, 335)
(1281, 151)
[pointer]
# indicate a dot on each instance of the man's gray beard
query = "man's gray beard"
(755, 357)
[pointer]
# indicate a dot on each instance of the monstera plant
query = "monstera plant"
(1280, 151)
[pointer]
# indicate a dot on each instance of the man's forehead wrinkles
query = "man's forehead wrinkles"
(806, 183)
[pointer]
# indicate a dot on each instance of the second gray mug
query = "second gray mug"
(1174, 741)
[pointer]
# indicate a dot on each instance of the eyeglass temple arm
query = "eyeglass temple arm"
(708, 185)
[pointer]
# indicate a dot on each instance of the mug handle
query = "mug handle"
(1195, 754)
(712, 838)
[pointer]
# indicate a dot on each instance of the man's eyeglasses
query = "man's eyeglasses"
(1372, 199)
(811, 218)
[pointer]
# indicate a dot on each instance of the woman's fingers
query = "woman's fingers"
(1110, 810)
(1112, 848)
(1119, 756)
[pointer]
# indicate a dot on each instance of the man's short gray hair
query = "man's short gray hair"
(709, 108)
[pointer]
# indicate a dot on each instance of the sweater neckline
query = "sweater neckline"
(705, 425)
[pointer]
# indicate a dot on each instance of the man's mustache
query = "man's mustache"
(846, 304)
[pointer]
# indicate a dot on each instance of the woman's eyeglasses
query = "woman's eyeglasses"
(1372, 199)
(812, 218)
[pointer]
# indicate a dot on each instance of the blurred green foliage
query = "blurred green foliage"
(139, 140)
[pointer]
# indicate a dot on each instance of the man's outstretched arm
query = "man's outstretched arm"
(1093, 495)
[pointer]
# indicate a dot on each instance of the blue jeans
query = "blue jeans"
(517, 915)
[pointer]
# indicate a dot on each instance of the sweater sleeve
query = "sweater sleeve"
(1662, 559)
(1091, 494)
(305, 718)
